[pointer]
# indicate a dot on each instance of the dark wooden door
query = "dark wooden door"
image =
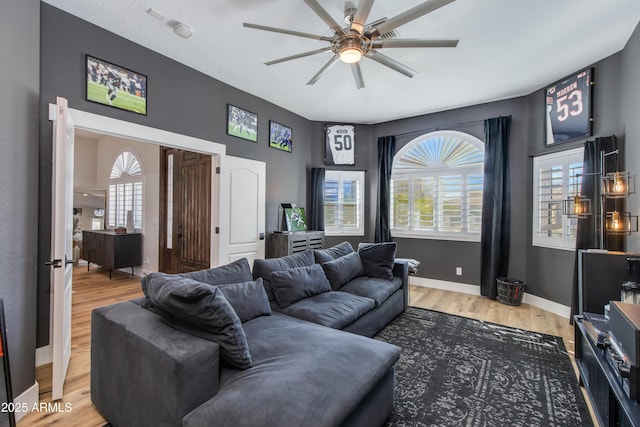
(185, 214)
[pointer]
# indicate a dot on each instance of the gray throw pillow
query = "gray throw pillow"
(378, 259)
(292, 285)
(248, 299)
(342, 270)
(264, 267)
(235, 272)
(325, 255)
(201, 310)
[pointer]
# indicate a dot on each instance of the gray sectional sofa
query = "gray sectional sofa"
(234, 347)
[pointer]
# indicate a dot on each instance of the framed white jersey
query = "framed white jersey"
(340, 145)
(568, 108)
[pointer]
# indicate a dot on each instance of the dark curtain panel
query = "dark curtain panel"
(386, 151)
(316, 211)
(588, 231)
(496, 209)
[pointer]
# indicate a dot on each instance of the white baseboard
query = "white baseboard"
(545, 304)
(44, 355)
(28, 399)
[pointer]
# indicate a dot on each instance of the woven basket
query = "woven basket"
(510, 291)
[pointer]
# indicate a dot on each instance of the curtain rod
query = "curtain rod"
(561, 148)
(436, 128)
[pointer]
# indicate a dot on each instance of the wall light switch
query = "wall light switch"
(458, 271)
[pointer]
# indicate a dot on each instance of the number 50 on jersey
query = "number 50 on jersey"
(340, 145)
(568, 108)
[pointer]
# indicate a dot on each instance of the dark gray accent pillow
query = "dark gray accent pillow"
(235, 272)
(342, 270)
(248, 299)
(264, 267)
(292, 285)
(378, 258)
(325, 255)
(201, 310)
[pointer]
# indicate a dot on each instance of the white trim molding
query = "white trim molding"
(28, 400)
(544, 304)
(44, 355)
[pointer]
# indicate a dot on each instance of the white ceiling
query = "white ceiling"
(507, 48)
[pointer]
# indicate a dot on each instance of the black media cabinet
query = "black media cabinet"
(611, 405)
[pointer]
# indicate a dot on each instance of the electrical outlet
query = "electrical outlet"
(147, 261)
(458, 271)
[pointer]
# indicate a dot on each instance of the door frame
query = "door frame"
(104, 125)
(133, 131)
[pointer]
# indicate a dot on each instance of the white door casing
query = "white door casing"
(61, 244)
(242, 209)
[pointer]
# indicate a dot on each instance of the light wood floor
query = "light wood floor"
(94, 289)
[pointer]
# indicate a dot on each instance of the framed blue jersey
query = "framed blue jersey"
(568, 108)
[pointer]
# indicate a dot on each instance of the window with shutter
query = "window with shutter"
(436, 187)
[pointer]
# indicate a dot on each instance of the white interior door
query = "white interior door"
(242, 209)
(61, 244)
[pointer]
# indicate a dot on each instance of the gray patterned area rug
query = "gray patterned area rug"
(456, 371)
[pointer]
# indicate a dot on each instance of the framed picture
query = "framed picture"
(340, 146)
(296, 220)
(568, 108)
(116, 86)
(280, 137)
(242, 123)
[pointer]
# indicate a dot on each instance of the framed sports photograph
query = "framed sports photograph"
(296, 219)
(115, 86)
(340, 145)
(568, 108)
(280, 137)
(242, 123)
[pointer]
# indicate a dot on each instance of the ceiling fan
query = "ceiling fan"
(360, 39)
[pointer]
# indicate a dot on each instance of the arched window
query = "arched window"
(436, 187)
(125, 192)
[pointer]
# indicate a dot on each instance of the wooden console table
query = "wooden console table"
(610, 403)
(291, 242)
(111, 250)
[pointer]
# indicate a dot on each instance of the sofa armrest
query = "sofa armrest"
(401, 270)
(144, 372)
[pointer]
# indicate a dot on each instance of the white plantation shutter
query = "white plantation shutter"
(125, 191)
(344, 203)
(556, 178)
(436, 187)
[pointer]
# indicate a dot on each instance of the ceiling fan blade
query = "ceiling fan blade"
(299, 55)
(319, 10)
(357, 75)
(391, 63)
(407, 16)
(323, 70)
(362, 13)
(285, 31)
(381, 43)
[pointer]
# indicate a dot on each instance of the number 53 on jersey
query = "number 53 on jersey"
(340, 145)
(568, 108)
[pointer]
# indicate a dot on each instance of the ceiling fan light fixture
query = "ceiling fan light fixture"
(350, 55)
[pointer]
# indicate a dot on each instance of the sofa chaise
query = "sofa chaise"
(214, 347)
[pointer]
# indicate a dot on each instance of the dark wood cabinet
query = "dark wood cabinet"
(610, 403)
(288, 243)
(111, 250)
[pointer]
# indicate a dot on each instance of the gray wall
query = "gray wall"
(197, 107)
(19, 86)
(630, 98)
(180, 100)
